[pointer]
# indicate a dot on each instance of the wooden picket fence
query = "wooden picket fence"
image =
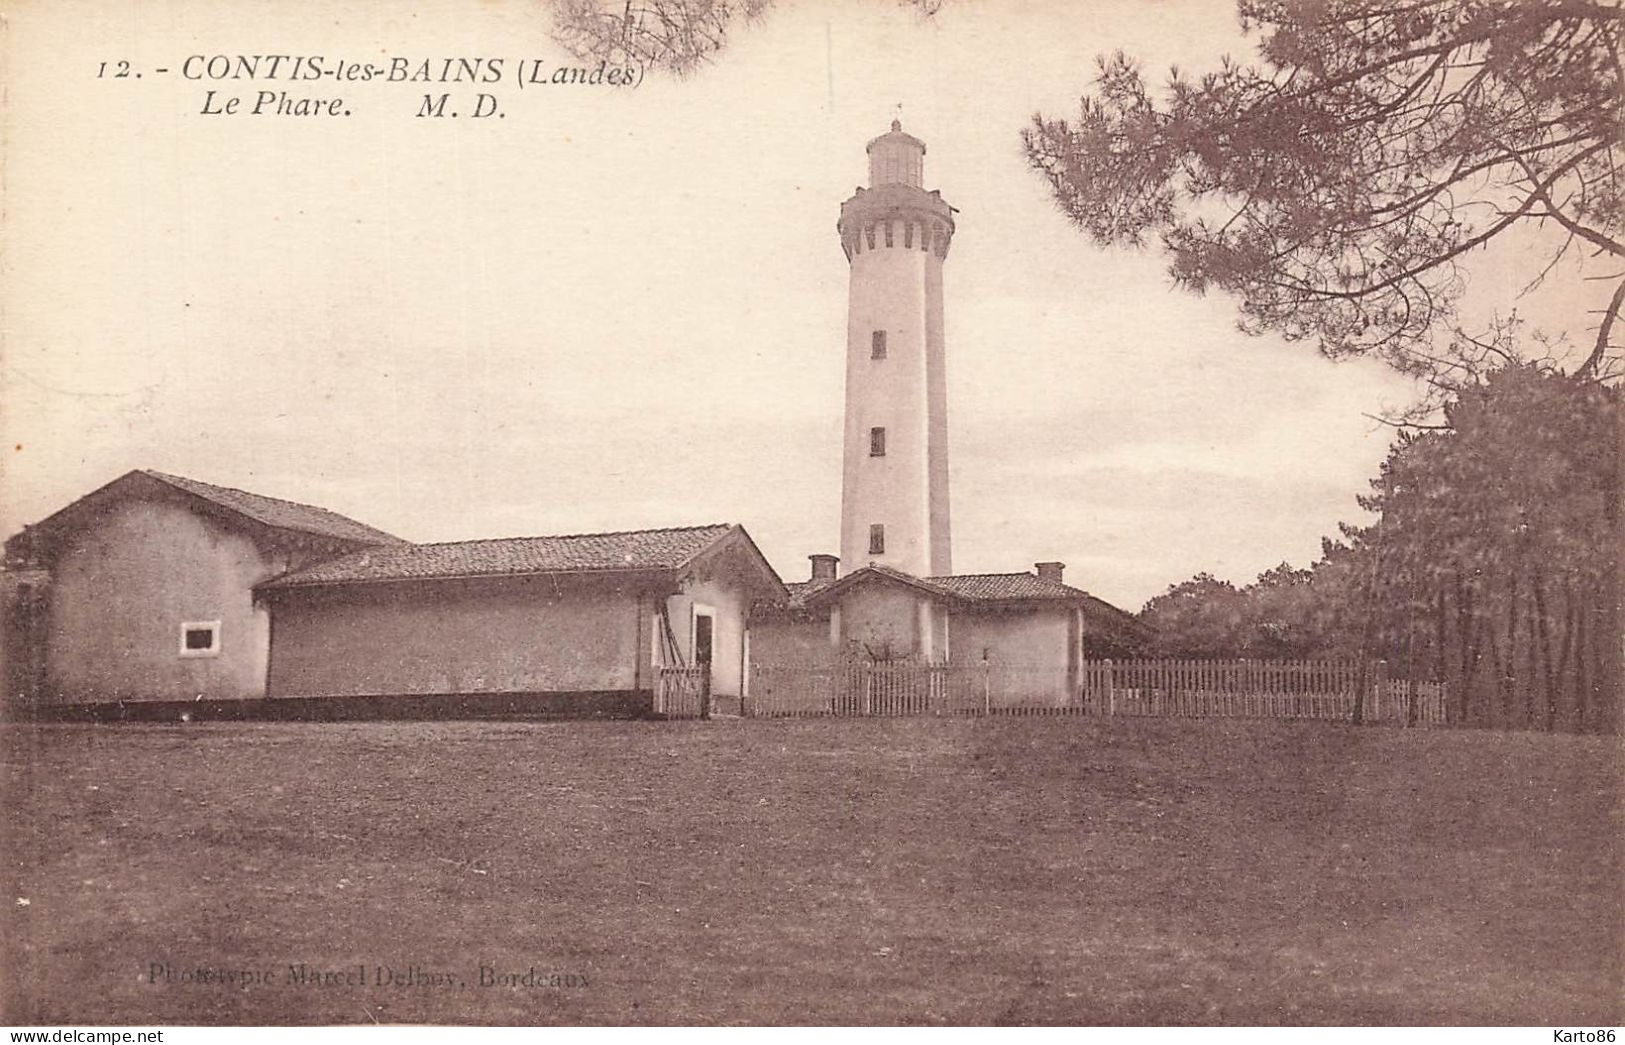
(1259, 689)
(683, 692)
(1401, 702)
(1160, 688)
(852, 688)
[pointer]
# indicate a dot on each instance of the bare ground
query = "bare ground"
(907, 871)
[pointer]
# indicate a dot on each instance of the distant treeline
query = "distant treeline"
(1493, 565)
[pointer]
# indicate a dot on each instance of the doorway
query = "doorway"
(705, 626)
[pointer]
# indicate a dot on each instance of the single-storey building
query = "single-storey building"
(1030, 631)
(142, 591)
(581, 622)
(157, 595)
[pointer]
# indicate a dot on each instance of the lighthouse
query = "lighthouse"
(894, 477)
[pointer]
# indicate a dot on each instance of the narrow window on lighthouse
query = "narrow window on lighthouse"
(877, 345)
(877, 539)
(877, 442)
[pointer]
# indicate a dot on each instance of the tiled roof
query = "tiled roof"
(283, 515)
(994, 587)
(972, 587)
(572, 553)
(821, 591)
(799, 590)
(796, 598)
(987, 589)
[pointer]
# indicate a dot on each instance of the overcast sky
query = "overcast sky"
(624, 308)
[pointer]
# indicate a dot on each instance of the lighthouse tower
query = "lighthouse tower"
(894, 481)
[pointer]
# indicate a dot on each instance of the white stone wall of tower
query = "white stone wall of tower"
(896, 235)
(898, 290)
(936, 376)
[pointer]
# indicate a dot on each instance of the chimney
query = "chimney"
(824, 566)
(1050, 571)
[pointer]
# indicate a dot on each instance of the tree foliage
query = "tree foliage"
(1336, 187)
(1275, 617)
(1492, 564)
(1201, 617)
(1494, 560)
(677, 36)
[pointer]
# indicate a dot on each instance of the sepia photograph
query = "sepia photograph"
(784, 513)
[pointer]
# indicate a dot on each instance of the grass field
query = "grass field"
(905, 871)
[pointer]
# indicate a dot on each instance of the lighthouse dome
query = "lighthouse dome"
(896, 158)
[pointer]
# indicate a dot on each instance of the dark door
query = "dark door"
(704, 630)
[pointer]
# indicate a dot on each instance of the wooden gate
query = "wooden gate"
(683, 692)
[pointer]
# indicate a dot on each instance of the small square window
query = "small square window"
(877, 539)
(877, 442)
(877, 345)
(200, 638)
